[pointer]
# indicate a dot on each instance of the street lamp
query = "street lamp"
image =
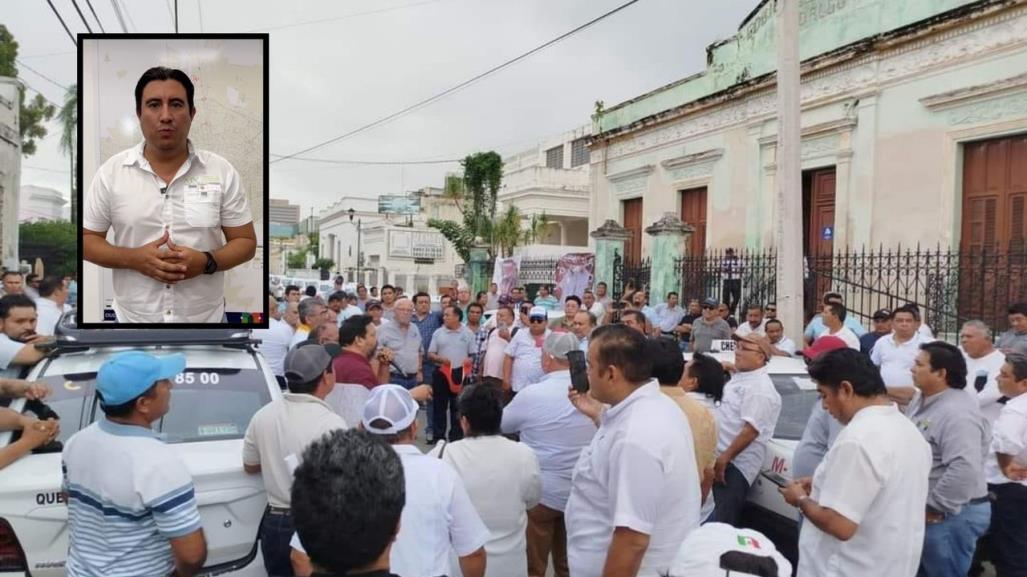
(359, 254)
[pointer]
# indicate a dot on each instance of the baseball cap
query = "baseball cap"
(559, 344)
(392, 404)
(716, 549)
(540, 312)
(710, 302)
(824, 344)
(372, 304)
(127, 375)
(882, 314)
(307, 362)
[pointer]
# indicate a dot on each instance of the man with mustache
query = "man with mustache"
(179, 214)
(18, 335)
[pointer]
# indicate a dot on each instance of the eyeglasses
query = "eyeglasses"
(708, 308)
(537, 320)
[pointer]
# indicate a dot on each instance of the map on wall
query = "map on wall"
(229, 79)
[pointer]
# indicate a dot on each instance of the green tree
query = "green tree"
(475, 198)
(32, 115)
(68, 118)
(56, 242)
(324, 264)
(537, 229)
(297, 259)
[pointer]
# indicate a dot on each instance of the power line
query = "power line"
(343, 17)
(176, 16)
(131, 21)
(58, 15)
(29, 166)
(41, 75)
(46, 55)
(81, 16)
(117, 13)
(199, 10)
(33, 89)
(463, 84)
(98, 23)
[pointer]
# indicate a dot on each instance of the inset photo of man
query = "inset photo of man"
(173, 180)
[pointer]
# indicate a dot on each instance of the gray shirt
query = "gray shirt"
(406, 343)
(818, 436)
(959, 437)
(1013, 341)
(704, 334)
(455, 345)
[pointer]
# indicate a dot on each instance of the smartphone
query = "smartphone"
(579, 372)
(774, 478)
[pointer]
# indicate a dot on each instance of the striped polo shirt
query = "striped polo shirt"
(128, 494)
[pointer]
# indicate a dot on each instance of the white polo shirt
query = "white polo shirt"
(896, 361)
(48, 315)
(638, 472)
(1009, 437)
(549, 424)
(8, 350)
(527, 359)
(875, 475)
(274, 344)
(845, 334)
(437, 521)
(745, 329)
(279, 433)
(503, 481)
(989, 365)
(749, 397)
(786, 345)
(205, 195)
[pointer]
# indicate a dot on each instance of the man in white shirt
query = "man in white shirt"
(666, 316)
(18, 335)
(523, 363)
(481, 458)
(438, 518)
(592, 305)
(754, 322)
(983, 363)
(277, 436)
(51, 304)
(833, 317)
(274, 340)
(863, 507)
(557, 432)
(896, 353)
(180, 215)
(583, 325)
(1006, 470)
(635, 494)
(746, 418)
(781, 345)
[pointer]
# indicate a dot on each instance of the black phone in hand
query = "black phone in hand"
(579, 372)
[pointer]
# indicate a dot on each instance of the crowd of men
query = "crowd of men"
(915, 460)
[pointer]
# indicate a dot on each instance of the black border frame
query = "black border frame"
(80, 193)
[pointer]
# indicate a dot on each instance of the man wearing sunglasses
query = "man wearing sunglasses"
(523, 363)
(708, 328)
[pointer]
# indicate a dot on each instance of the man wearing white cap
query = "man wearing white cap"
(438, 518)
(523, 363)
(278, 434)
(131, 502)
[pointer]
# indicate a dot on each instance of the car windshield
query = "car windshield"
(207, 403)
(797, 399)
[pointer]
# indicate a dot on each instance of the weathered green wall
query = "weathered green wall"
(824, 25)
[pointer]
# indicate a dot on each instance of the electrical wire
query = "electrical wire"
(343, 17)
(41, 75)
(81, 15)
(119, 15)
(89, 3)
(451, 90)
(66, 29)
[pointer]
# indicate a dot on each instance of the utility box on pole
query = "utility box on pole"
(10, 170)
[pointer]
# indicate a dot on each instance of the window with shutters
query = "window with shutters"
(579, 152)
(554, 157)
(995, 194)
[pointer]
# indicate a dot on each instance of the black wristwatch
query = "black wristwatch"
(211, 266)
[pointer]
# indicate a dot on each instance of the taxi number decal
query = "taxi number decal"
(202, 377)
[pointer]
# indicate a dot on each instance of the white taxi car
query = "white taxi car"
(225, 382)
(766, 511)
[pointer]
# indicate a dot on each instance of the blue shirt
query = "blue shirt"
(427, 326)
(816, 327)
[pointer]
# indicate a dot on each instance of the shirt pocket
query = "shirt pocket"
(203, 205)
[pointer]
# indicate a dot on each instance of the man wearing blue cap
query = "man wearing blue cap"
(131, 502)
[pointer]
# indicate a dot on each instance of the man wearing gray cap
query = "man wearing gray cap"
(557, 432)
(709, 328)
(277, 436)
(439, 518)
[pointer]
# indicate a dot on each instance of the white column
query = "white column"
(789, 170)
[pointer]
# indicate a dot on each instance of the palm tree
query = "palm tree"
(68, 117)
(538, 229)
(507, 230)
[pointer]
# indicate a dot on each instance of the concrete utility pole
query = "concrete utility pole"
(789, 171)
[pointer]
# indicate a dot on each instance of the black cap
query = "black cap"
(882, 314)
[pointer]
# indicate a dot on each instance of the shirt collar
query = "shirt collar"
(1019, 401)
(874, 410)
(135, 155)
(120, 430)
(407, 449)
(751, 375)
(649, 389)
(304, 398)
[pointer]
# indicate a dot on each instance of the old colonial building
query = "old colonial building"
(914, 130)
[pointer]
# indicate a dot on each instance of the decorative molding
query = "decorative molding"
(972, 94)
(963, 42)
(631, 183)
(689, 159)
(832, 128)
(989, 110)
(822, 146)
(629, 174)
(670, 223)
(611, 229)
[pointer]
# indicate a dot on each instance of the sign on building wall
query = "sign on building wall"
(416, 244)
(390, 204)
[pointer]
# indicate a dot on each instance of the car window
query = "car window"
(796, 404)
(206, 403)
